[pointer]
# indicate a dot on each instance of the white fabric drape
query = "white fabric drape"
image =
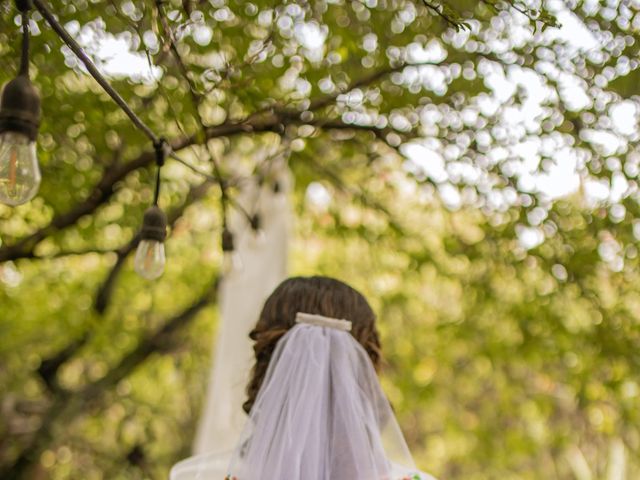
(242, 294)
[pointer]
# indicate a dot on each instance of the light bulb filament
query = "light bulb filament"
(19, 170)
(13, 171)
(148, 259)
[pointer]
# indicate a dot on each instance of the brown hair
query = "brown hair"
(317, 295)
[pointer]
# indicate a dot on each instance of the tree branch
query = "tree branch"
(272, 120)
(101, 193)
(438, 9)
(49, 367)
(365, 199)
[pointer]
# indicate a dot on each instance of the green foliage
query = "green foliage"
(509, 313)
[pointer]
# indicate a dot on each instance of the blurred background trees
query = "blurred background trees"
(470, 166)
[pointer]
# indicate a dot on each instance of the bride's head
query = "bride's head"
(317, 295)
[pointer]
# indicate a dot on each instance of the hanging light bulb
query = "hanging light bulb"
(150, 258)
(231, 260)
(19, 120)
(258, 237)
(19, 172)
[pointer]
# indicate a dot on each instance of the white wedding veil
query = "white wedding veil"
(320, 414)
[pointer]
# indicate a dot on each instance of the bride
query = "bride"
(316, 408)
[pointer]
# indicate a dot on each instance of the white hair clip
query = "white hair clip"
(321, 321)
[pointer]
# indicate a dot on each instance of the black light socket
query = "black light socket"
(227, 241)
(154, 225)
(20, 107)
(24, 5)
(256, 222)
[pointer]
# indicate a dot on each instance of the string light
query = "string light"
(231, 260)
(150, 257)
(19, 121)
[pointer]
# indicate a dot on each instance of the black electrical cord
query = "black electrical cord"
(161, 154)
(24, 59)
